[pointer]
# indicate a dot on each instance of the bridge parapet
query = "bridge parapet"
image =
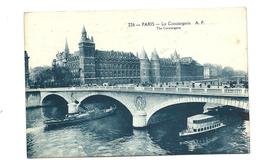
(238, 92)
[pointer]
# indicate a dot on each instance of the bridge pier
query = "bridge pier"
(72, 108)
(139, 119)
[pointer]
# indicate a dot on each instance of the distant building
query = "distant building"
(26, 65)
(212, 71)
(92, 66)
(190, 69)
(206, 72)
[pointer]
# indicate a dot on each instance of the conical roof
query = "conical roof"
(154, 55)
(175, 53)
(66, 49)
(143, 54)
(83, 29)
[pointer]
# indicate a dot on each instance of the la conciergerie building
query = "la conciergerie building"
(92, 66)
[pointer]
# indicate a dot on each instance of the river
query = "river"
(114, 136)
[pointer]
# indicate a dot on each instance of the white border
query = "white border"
(12, 113)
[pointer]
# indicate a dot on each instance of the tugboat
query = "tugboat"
(200, 124)
(74, 118)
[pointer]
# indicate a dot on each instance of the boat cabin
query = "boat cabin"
(202, 122)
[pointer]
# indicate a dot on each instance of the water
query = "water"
(114, 136)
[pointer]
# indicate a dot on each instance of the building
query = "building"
(26, 65)
(190, 69)
(206, 72)
(92, 66)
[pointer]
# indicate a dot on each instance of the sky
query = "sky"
(217, 36)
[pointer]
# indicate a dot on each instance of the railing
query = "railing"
(176, 90)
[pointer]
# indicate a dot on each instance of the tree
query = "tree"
(240, 73)
(218, 70)
(51, 76)
(62, 75)
(40, 75)
(228, 72)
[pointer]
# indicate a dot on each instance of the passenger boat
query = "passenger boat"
(200, 124)
(78, 117)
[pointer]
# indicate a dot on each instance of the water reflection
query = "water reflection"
(198, 143)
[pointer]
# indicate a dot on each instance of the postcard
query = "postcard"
(136, 82)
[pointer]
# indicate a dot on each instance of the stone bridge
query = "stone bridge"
(143, 102)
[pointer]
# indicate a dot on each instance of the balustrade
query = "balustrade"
(186, 90)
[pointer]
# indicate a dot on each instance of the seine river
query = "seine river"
(114, 136)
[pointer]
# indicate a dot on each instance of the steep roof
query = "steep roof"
(115, 55)
(143, 54)
(155, 55)
(66, 49)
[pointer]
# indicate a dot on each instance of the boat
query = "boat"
(74, 118)
(210, 107)
(200, 124)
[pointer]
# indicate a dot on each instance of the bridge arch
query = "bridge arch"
(54, 106)
(45, 95)
(125, 103)
(183, 100)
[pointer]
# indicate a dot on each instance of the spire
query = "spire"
(83, 30)
(66, 49)
(83, 34)
(175, 56)
(143, 54)
(175, 53)
(154, 55)
(26, 54)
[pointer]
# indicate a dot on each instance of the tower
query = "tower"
(26, 65)
(144, 67)
(87, 58)
(155, 67)
(62, 61)
(176, 59)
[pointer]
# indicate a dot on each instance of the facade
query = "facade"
(92, 66)
(190, 69)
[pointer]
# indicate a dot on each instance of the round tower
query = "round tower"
(155, 67)
(144, 67)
